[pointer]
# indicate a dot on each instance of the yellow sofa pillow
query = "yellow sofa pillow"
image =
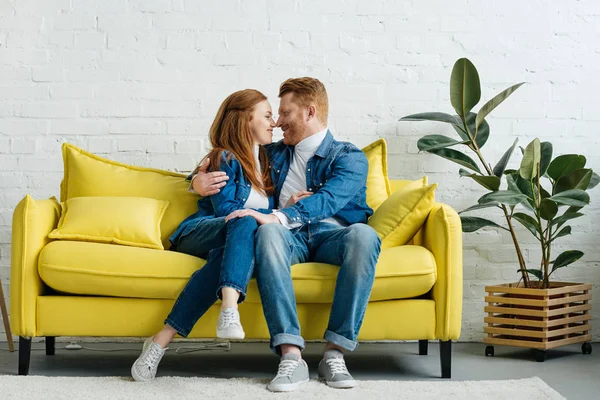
(378, 184)
(87, 175)
(401, 216)
(398, 184)
(132, 221)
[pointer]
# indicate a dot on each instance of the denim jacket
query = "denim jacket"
(336, 174)
(231, 197)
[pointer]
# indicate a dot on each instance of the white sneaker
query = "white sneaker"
(144, 368)
(291, 374)
(229, 325)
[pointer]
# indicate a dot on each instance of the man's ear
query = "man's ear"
(312, 112)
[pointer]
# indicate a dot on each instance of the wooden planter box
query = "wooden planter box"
(540, 319)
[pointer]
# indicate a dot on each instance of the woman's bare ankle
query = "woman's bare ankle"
(229, 298)
(164, 337)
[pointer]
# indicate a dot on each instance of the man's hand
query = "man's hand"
(208, 183)
(296, 197)
(261, 218)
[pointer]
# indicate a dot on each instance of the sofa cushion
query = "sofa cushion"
(378, 184)
(401, 216)
(99, 269)
(87, 175)
(130, 221)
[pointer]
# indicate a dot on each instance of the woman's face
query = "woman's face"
(262, 123)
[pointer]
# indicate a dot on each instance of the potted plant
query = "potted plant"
(543, 195)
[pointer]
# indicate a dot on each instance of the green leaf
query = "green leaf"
(548, 209)
(457, 157)
(484, 130)
(578, 179)
(535, 272)
(528, 222)
(573, 197)
(489, 182)
(433, 116)
(564, 164)
(433, 142)
(546, 149)
(501, 166)
(503, 196)
(465, 89)
(531, 159)
(563, 232)
(566, 258)
(594, 181)
(520, 185)
(461, 132)
(471, 224)
(495, 102)
(480, 206)
(565, 217)
(511, 171)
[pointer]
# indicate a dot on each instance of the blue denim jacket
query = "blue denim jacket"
(231, 197)
(337, 174)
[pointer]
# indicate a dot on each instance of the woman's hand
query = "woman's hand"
(296, 197)
(261, 218)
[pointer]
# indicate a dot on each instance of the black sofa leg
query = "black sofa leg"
(24, 355)
(423, 347)
(50, 349)
(446, 358)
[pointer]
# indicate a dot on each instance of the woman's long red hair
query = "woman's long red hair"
(231, 131)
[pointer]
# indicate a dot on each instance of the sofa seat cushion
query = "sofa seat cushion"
(99, 269)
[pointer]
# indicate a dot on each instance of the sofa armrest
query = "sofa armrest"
(32, 222)
(442, 235)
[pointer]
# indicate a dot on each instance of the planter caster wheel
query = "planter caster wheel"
(540, 355)
(489, 351)
(586, 348)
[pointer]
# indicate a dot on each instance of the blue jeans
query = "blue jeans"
(354, 248)
(229, 263)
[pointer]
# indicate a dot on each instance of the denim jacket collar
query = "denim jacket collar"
(325, 146)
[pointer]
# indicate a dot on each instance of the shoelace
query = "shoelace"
(152, 357)
(228, 317)
(286, 368)
(337, 366)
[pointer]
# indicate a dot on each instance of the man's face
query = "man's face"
(292, 120)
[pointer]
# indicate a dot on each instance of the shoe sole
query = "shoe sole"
(340, 384)
(287, 387)
(227, 334)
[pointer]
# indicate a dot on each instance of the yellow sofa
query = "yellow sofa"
(83, 288)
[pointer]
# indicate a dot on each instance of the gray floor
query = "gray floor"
(574, 375)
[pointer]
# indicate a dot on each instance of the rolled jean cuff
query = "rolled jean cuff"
(182, 332)
(341, 341)
(286, 338)
(234, 287)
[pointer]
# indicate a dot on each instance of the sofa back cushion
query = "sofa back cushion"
(87, 175)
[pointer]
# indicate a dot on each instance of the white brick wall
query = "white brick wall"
(140, 81)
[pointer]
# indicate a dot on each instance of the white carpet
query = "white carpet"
(177, 388)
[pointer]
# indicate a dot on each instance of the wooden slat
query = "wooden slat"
(515, 311)
(569, 310)
(537, 313)
(515, 300)
(537, 323)
(563, 287)
(569, 299)
(537, 345)
(536, 333)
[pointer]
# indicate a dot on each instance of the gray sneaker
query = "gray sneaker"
(292, 373)
(144, 368)
(332, 370)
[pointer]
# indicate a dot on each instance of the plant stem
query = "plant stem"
(522, 265)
